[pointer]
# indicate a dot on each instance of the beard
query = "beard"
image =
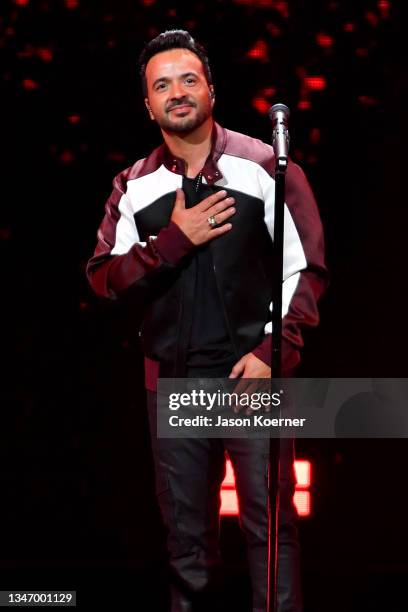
(185, 125)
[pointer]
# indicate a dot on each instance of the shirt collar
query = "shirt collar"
(211, 171)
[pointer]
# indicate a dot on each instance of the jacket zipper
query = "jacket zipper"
(224, 309)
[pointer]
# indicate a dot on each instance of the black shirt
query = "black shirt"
(210, 349)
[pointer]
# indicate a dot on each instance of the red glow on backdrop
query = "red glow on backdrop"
(269, 91)
(45, 54)
(371, 18)
(315, 83)
(71, 4)
(384, 8)
(324, 40)
(315, 136)
(362, 52)
(282, 7)
(148, 2)
(367, 100)
(116, 156)
(67, 157)
(349, 27)
(74, 119)
(302, 498)
(304, 105)
(273, 29)
(30, 84)
(5, 233)
(25, 53)
(259, 51)
(261, 105)
(21, 2)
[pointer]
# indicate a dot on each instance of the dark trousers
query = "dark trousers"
(189, 473)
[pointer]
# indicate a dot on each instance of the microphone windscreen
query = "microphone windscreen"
(278, 107)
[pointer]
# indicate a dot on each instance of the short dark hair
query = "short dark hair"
(172, 39)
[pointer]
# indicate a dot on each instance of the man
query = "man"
(188, 229)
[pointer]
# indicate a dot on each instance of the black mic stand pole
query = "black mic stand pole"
(277, 276)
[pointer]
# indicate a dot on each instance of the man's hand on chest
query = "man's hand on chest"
(195, 222)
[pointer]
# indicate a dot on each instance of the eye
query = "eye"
(191, 80)
(160, 86)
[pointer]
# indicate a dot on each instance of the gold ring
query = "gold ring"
(211, 221)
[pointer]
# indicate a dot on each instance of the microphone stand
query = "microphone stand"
(277, 280)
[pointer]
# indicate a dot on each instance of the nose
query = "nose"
(176, 91)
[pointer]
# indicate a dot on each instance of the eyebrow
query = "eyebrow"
(182, 76)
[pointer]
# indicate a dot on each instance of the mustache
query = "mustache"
(181, 102)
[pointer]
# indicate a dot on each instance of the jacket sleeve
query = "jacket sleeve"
(304, 271)
(121, 260)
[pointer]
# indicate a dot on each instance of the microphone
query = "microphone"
(279, 115)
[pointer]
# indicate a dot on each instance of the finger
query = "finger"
(219, 206)
(223, 216)
(240, 365)
(250, 390)
(218, 231)
(180, 199)
(243, 386)
(212, 199)
(241, 389)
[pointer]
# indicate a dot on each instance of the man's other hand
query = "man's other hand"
(249, 366)
(193, 222)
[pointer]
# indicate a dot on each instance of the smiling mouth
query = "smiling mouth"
(181, 107)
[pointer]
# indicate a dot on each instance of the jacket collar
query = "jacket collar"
(211, 171)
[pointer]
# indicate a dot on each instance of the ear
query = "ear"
(149, 110)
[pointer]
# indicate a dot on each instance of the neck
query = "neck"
(193, 148)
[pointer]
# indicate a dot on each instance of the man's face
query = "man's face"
(178, 95)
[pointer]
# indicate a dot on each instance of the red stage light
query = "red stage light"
(30, 84)
(315, 83)
(303, 471)
(302, 503)
(371, 18)
(282, 7)
(261, 105)
(71, 4)
(66, 157)
(229, 479)
(229, 503)
(349, 27)
(302, 498)
(21, 2)
(45, 54)
(273, 29)
(259, 51)
(324, 40)
(269, 91)
(384, 8)
(304, 105)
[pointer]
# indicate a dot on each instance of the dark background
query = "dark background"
(78, 508)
